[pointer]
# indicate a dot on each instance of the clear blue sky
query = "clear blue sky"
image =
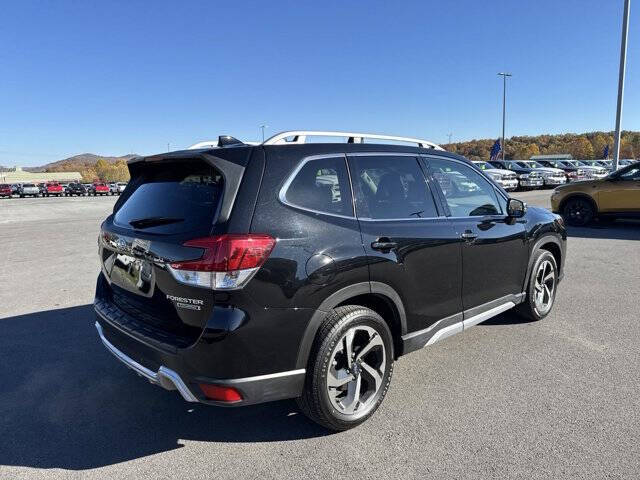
(119, 77)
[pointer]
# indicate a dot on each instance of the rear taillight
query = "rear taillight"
(228, 262)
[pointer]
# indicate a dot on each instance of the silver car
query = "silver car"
(551, 176)
(28, 190)
(592, 172)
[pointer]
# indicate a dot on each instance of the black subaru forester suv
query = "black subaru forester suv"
(240, 274)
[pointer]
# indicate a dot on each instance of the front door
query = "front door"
(409, 245)
(494, 248)
(621, 193)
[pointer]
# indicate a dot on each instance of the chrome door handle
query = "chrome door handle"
(383, 244)
(469, 236)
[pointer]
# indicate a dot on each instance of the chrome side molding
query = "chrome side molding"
(459, 322)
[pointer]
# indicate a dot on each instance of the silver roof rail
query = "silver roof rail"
(293, 137)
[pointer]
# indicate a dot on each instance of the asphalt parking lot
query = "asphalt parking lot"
(507, 399)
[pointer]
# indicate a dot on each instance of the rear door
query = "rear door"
(494, 249)
(621, 194)
(410, 246)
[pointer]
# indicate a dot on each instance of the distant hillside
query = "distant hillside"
(77, 163)
(582, 146)
(92, 167)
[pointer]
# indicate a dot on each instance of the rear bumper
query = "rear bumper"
(164, 377)
(183, 369)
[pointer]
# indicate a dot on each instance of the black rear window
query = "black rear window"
(171, 198)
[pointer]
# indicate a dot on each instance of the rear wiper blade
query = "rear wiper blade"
(154, 221)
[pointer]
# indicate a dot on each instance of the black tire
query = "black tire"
(578, 211)
(530, 309)
(21, 196)
(315, 402)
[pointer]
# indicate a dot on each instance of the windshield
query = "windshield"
(532, 164)
(630, 172)
(28, 185)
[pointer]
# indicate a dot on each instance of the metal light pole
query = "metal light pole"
(504, 105)
(623, 65)
(263, 127)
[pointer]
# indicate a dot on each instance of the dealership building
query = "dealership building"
(18, 175)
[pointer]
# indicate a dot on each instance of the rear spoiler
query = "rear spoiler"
(231, 171)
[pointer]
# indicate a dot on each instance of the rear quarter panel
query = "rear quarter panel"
(315, 254)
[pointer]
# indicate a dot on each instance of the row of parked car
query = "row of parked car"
(55, 189)
(530, 174)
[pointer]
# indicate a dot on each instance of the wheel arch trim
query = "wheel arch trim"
(338, 297)
(544, 239)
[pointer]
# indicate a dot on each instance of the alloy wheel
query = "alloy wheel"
(579, 212)
(545, 284)
(356, 371)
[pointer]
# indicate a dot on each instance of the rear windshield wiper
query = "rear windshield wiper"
(154, 222)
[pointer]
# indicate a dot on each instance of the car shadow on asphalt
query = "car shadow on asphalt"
(618, 230)
(507, 318)
(67, 403)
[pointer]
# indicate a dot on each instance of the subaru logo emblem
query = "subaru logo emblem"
(121, 244)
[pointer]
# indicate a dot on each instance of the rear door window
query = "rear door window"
(321, 185)
(390, 187)
(172, 198)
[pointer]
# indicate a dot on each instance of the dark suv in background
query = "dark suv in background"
(75, 189)
(248, 273)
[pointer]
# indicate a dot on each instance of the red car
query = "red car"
(100, 189)
(53, 189)
(5, 190)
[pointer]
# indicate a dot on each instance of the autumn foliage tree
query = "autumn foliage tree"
(582, 146)
(103, 169)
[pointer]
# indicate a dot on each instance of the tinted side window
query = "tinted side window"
(631, 174)
(467, 193)
(388, 187)
(322, 185)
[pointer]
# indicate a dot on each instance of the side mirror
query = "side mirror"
(516, 208)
